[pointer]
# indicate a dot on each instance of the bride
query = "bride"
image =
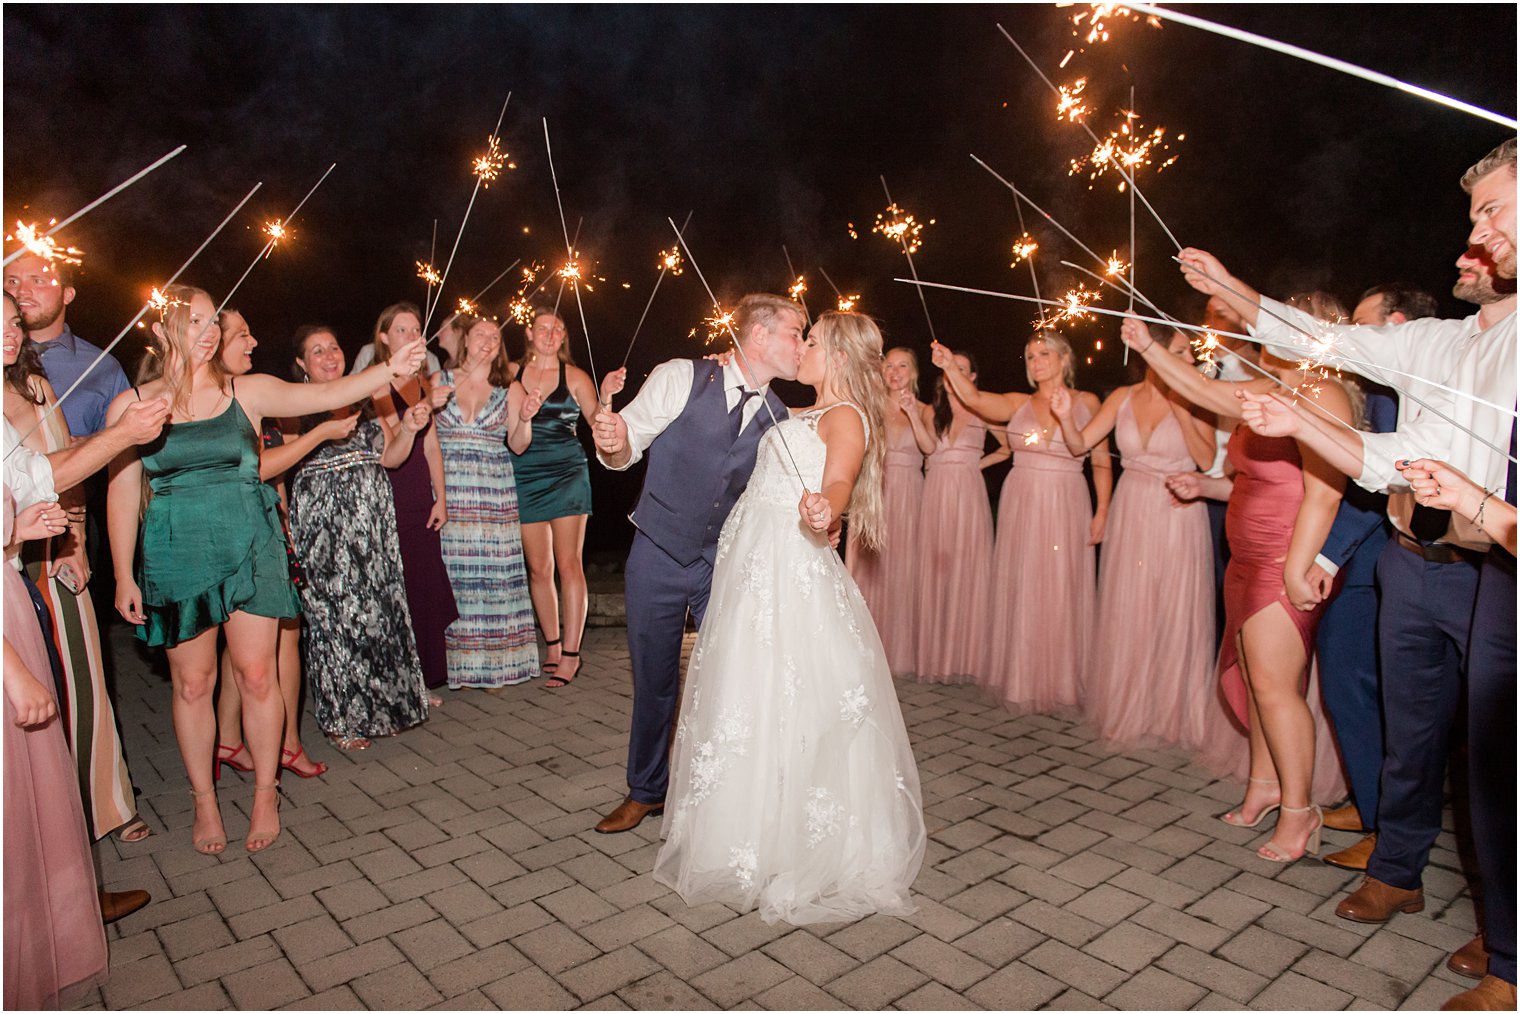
(793, 787)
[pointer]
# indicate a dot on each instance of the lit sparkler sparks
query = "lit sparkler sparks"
(1127, 149)
(160, 301)
(1205, 345)
(1023, 249)
(670, 260)
(428, 273)
(847, 304)
(489, 163)
(35, 243)
(1116, 267)
(1074, 307)
(1069, 104)
(797, 288)
(464, 306)
(1095, 19)
(900, 227)
(521, 311)
(1031, 438)
(718, 325)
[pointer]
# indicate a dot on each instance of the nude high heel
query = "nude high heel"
(1239, 821)
(1272, 852)
(214, 844)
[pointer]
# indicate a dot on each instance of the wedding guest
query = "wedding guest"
(492, 644)
(955, 545)
(1048, 529)
(888, 577)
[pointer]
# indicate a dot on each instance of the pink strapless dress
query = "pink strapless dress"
(1044, 572)
(888, 579)
(1269, 487)
(55, 945)
(1146, 682)
(954, 562)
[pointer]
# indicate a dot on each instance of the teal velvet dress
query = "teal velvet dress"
(553, 480)
(212, 543)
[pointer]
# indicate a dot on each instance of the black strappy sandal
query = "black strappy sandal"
(549, 667)
(556, 681)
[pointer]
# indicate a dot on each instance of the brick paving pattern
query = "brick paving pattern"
(455, 867)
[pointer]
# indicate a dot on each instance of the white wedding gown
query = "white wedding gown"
(793, 788)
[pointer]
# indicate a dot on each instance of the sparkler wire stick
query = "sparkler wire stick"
(825, 274)
(664, 267)
(739, 350)
(1117, 166)
(1018, 209)
(493, 281)
(1132, 257)
(575, 284)
(911, 269)
(1325, 61)
(103, 198)
(463, 221)
(427, 302)
(1181, 326)
(561, 274)
(792, 277)
(1020, 195)
(148, 305)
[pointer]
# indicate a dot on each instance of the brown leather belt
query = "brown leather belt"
(1441, 552)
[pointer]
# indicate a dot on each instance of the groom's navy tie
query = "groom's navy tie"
(736, 415)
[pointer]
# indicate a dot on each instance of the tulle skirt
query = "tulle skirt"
(954, 577)
(888, 578)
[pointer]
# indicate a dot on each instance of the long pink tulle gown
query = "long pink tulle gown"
(1269, 487)
(1154, 653)
(1044, 572)
(954, 560)
(55, 945)
(888, 578)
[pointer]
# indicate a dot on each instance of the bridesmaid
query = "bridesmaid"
(275, 459)
(554, 493)
(60, 571)
(1139, 688)
(492, 644)
(212, 555)
(1283, 503)
(361, 657)
(888, 578)
(421, 500)
(955, 550)
(1042, 619)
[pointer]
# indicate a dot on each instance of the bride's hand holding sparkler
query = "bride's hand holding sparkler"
(816, 511)
(440, 395)
(1268, 415)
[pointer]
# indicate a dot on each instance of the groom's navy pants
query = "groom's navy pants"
(659, 592)
(1491, 755)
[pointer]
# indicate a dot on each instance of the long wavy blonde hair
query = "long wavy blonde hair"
(852, 349)
(169, 352)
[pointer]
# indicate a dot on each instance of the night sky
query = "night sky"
(771, 124)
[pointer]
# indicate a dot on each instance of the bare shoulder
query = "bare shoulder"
(848, 423)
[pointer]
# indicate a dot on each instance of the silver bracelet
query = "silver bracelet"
(1478, 517)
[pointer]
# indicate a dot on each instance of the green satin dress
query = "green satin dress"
(212, 543)
(552, 478)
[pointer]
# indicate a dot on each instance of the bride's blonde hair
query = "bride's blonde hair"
(852, 350)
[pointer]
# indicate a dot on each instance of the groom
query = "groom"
(701, 424)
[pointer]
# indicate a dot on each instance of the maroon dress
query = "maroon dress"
(428, 592)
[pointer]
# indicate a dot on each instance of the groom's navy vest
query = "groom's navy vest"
(695, 472)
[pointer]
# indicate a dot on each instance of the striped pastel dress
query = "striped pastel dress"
(89, 720)
(493, 643)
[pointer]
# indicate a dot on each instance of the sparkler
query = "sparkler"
(570, 257)
(42, 245)
(1069, 103)
(467, 308)
(157, 299)
(491, 284)
(97, 202)
(845, 304)
(1118, 166)
(669, 262)
(1074, 306)
(718, 312)
(1097, 17)
(901, 226)
(797, 288)
(428, 273)
(1326, 61)
(1023, 249)
(484, 173)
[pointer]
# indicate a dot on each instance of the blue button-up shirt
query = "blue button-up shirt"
(65, 359)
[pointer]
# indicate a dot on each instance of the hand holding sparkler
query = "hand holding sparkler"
(531, 405)
(1061, 403)
(1203, 271)
(816, 510)
(610, 434)
(440, 396)
(1268, 415)
(336, 428)
(613, 383)
(1437, 484)
(406, 360)
(1136, 335)
(143, 420)
(415, 418)
(941, 356)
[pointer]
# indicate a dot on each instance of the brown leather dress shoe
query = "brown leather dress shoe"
(1344, 818)
(1493, 993)
(1471, 960)
(120, 904)
(1355, 857)
(628, 816)
(1376, 901)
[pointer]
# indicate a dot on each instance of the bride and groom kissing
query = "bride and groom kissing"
(789, 784)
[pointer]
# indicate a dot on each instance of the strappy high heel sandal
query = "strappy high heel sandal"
(288, 760)
(253, 835)
(225, 755)
(550, 667)
(1239, 820)
(557, 681)
(1272, 852)
(212, 845)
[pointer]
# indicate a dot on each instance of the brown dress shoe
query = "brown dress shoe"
(120, 904)
(1355, 857)
(1493, 993)
(1471, 960)
(1344, 818)
(628, 815)
(1376, 901)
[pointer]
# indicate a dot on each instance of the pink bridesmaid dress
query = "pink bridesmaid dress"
(954, 560)
(888, 578)
(55, 945)
(1146, 679)
(1044, 573)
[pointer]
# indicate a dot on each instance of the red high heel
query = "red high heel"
(288, 762)
(224, 755)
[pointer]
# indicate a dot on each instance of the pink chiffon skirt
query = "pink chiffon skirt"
(1044, 588)
(954, 576)
(888, 578)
